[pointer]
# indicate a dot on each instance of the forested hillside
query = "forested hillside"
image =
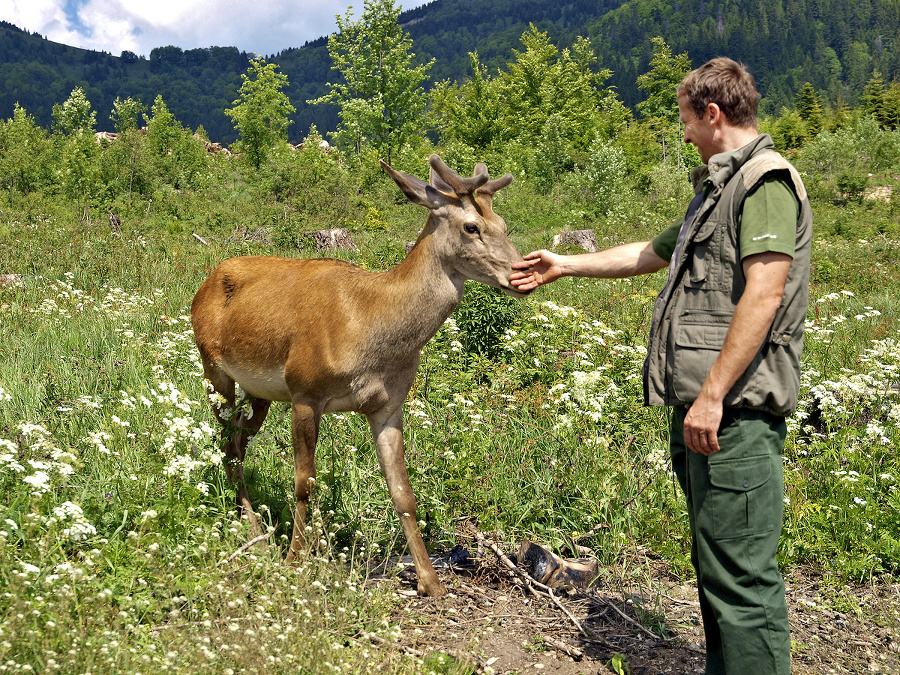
(834, 44)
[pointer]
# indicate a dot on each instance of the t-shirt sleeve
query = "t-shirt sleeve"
(664, 242)
(768, 221)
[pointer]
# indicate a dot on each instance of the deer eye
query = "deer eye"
(471, 228)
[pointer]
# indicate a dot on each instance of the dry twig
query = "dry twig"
(243, 548)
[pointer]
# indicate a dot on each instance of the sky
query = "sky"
(263, 27)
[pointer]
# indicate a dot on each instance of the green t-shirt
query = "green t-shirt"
(768, 222)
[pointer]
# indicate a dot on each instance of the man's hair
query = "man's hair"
(725, 83)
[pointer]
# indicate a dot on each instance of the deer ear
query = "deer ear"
(440, 184)
(416, 190)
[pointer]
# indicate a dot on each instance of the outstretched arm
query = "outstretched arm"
(542, 267)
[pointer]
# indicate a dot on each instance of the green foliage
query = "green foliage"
(873, 97)
(74, 115)
(851, 184)
(604, 175)
(77, 172)
(126, 114)
(469, 113)
(312, 186)
(809, 107)
(788, 131)
(483, 317)
(542, 82)
(23, 154)
(660, 82)
(262, 112)
(381, 99)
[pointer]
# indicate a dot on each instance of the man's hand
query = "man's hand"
(701, 426)
(539, 268)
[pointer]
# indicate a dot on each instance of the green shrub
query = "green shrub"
(483, 317)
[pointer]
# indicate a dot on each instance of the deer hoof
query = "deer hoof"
(432, 590)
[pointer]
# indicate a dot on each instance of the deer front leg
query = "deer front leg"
(304, 431)
(388, 435)
(238, 427)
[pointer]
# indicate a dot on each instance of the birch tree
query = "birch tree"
(379, 91)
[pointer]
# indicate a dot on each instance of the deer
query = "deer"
(327, 336)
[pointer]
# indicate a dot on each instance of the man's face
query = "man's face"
(697, 129)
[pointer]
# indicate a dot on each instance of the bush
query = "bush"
(483, 317)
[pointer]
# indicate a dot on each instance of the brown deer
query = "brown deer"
(327, 336)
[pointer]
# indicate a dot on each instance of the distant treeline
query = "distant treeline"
(835, 45)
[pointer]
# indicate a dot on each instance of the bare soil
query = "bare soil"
(490, 622)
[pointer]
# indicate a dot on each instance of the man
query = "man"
(724, 352)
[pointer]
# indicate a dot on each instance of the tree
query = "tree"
(74, 115)
(892, 106)
(126, 114)
(469, 112)
(873, 97)
(665, 74)
(262, 113)
(79, 171)
(381, 97)
(23, 147)
(542, 82)
(660, 108)
(809, 107)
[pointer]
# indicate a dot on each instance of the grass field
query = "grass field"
(116, 516)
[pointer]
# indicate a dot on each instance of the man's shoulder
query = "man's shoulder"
(755, 169)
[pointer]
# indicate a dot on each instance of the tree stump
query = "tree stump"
(333, 239)
(584, 239)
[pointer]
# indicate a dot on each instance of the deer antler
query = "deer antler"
(442, 177)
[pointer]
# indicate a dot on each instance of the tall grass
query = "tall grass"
(115, 511)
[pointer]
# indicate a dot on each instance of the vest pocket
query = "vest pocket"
(740, 499)
(697, 347)
(705, 254)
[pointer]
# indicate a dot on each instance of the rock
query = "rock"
(335, 238)
(585, 239)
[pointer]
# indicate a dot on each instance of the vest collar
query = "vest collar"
(724, 165)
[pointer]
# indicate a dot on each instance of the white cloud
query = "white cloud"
(262, 27)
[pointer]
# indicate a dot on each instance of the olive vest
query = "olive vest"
(706, 279)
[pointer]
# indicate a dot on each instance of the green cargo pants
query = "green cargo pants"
(735, 503)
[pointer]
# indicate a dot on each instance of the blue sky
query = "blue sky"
(261, 26)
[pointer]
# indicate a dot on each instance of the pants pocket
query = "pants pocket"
(740, 497)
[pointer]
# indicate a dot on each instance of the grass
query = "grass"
(115, 512)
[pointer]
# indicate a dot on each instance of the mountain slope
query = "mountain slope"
(835, 44)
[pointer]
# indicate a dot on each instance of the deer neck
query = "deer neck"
(422, 292)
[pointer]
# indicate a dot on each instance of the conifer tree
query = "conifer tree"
(809, 107)
(873, 97)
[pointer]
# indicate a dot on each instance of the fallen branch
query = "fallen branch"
(531, 585)
(200, 239)
(243, 548)
(574, 652)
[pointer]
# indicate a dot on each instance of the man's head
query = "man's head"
(717, 104)
(725, 83)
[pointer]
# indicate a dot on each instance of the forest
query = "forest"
(836, 45)
(120, 546)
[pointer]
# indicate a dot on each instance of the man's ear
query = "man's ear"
(714, 112)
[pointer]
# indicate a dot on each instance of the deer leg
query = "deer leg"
(237, 430)
(388, 435)
(305, 431)
(244, 425)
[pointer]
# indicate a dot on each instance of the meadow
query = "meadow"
(117, 525)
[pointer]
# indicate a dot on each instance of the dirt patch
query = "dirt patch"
(490, 620)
